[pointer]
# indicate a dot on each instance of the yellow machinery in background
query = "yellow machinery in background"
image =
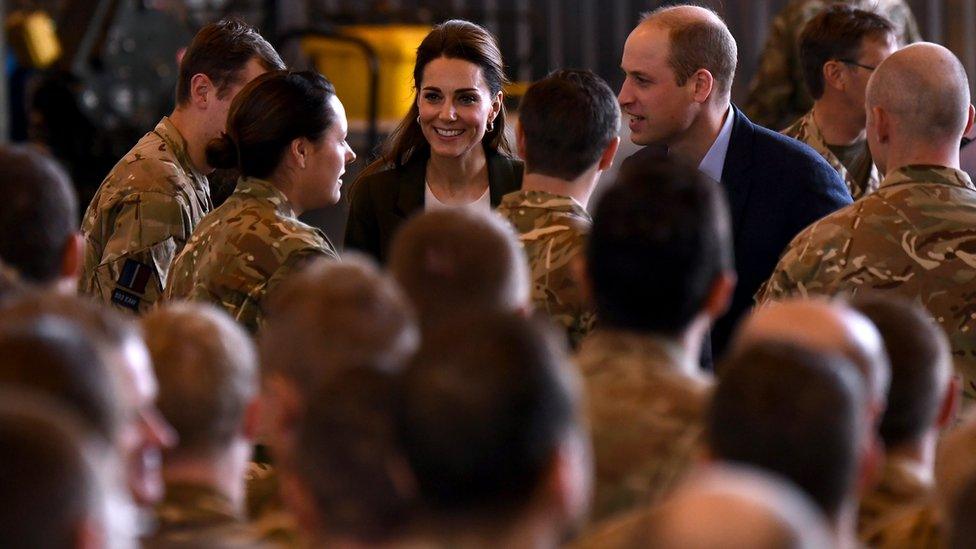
(33, 38)
(346, 64)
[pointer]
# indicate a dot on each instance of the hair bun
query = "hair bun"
(222, 152)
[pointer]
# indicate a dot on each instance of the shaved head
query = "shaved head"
(925, 91)
(826, 326)
(735, 507)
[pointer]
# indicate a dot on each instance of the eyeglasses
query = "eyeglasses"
(856, 64)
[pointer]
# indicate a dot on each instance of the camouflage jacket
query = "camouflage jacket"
(646, 415)
(193, 515)
(896, 501)
(915, 236)
(552, 230)
(243, 249)
(139, 220)
(806, 130)
(777, 94)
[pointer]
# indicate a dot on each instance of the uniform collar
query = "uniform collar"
(167, 131)
(929, 174)
(645, 348)
(544, 200)
(265, 190)
(816, 141)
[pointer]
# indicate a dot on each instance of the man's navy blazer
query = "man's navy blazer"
(775, 186)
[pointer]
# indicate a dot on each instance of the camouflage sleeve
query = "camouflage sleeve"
(798, 269)
(773, 87)
(149, 232)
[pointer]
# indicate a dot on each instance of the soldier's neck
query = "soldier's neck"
(223, 473)
(196, 136)
(578, 189)
(838, 126)
(920, 453)
(910, 153)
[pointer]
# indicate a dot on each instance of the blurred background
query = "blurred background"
(86, 78)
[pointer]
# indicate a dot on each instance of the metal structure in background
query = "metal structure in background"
(537, 36)
(373, 71)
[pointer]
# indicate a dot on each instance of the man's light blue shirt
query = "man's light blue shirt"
(714, 161)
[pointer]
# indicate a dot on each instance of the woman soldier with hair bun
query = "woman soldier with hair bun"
(286, 133)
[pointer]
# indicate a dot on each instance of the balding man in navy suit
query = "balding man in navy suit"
(679, 64)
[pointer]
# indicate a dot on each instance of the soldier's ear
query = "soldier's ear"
(71, 260)
(969, 121)
(520, 140)
(202, 90)
(299, 151)
(834, 75)
(609, 153)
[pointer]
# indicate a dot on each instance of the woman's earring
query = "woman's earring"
(491, 126)
(418, 119)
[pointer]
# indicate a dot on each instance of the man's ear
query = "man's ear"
(950, 402)
(720, 295)
(882, 124)
(71, 254)
(569, 479)
(252, 419)
(202, 91)
(520, 140)
(89, 534)
(609, 153)
(834, 75)
(969, 120)
(704, 85)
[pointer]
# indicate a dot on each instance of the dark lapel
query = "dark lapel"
(502, 178)
(735, 172)
(410, 185)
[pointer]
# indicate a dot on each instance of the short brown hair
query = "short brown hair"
(207, 370)
(455, 260)
(55, 475)
(697, 43)
(333, 316)
(837, 33)
(221, 50)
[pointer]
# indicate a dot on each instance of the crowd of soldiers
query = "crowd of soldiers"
(752, 338)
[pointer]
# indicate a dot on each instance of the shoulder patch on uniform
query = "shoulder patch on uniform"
(134, 276)
(125, 299)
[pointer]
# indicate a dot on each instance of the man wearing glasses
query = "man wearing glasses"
(839, 49)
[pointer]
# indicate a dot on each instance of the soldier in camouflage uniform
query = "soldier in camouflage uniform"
(921, 400)
(197, 515)
(839, 49)
(564, 157)
(143, 213)
(246, 247)
(552, 230)
(777, 95)
(913, 235)
(647, 397)
(243, 250)
(215, 421)
(645, 409)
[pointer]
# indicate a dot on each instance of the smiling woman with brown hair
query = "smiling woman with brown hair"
(449, 150)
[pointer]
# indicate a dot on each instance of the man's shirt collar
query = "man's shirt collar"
(714, 161)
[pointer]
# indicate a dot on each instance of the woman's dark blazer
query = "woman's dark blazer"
(381, 201)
